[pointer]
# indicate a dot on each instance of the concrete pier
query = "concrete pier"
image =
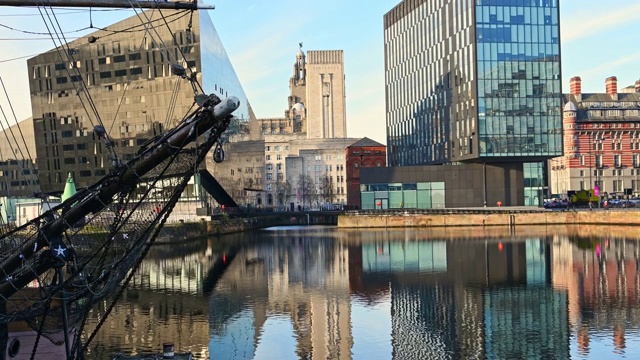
(487, 217)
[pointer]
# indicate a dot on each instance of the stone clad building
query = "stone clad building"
(303, 158)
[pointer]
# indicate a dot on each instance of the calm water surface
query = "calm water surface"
(320, 292)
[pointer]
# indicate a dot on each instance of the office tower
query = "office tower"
(475, 82)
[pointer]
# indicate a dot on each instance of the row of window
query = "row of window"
(618, 186)
(614, 172)
(617, 160)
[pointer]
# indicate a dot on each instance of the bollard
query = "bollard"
(167, 351)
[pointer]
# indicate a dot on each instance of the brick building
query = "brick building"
(363, 153)
(601, 141)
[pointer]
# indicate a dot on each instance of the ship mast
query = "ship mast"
(145, 4)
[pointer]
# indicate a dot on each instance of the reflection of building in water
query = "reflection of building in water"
(602, 281)
(466, 299)
(305, 279)
(164, 303)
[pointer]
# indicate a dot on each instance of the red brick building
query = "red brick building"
(363, 153)
(601, 141)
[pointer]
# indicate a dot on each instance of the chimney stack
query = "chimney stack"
(612, 85)
(638, 86)
(575, 85)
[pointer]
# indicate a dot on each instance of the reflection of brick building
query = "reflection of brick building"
(364, 153)
(601, 280)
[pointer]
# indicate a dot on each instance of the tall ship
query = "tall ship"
(85, 249)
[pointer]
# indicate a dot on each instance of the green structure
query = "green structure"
(69, 189)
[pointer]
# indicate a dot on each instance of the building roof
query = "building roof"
(587, 111)
(365, 141)
(570, 106)
(602, 97)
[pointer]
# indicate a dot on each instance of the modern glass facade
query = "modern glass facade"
(127, 74)
(472, 80)
(218, 74)
(534, 185)
(420, 195)
(518, 64)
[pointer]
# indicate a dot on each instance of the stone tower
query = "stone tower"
(325, 94)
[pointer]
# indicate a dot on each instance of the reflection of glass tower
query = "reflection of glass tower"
(474, 81)
(529, 322)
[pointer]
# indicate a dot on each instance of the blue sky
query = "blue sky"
(261, 38)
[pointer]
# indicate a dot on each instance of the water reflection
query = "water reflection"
(317, 292)
(166, 301)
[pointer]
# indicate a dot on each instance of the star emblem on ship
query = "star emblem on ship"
(60, 251)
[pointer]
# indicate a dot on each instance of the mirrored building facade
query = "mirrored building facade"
(474, 81)
(120, 77)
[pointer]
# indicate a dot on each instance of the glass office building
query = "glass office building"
(474, 81)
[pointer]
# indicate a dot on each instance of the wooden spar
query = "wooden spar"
(145, 4)
(98, 200)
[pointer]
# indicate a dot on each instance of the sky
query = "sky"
(261, 38)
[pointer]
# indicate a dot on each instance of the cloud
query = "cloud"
(584, 24)
(613, 65)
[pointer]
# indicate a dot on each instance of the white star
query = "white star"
(125, 236)
(60, 251)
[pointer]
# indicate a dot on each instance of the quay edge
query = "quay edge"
(403, 219)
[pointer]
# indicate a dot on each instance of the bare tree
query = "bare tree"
(326, 189)
(307, 190)
(283, 192)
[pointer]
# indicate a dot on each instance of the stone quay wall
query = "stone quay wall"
(488, 218)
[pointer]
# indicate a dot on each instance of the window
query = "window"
(636, 160)
(120, 73)
(67, 134)
(134, 56)
(617, 186)
(60, 66)
(582, 160)
(617, 160)
(105, 74)
(69, 161)
(61, 80)
(268, 157)
(119, 59)
(135, 71)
